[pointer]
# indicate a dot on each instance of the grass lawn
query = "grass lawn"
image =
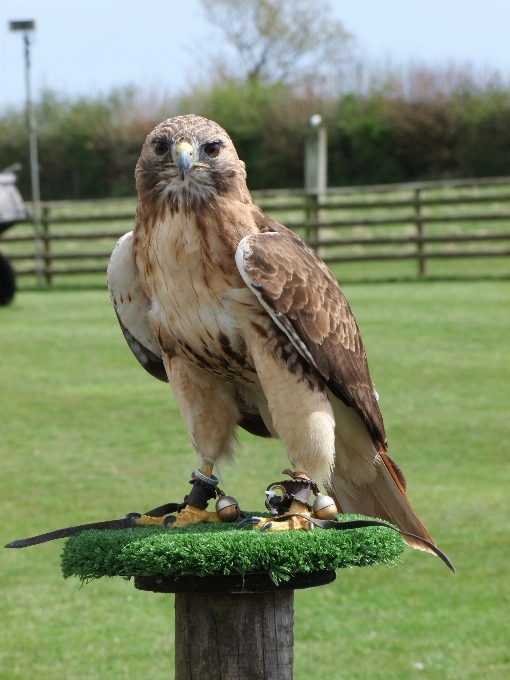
(88, 435)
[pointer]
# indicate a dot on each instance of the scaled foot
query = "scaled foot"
(281, 524)
(186, 517)
(193, 509)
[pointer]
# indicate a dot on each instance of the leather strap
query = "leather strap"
(123, 523)
(360, 523)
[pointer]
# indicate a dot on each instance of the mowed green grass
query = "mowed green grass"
(87, 435)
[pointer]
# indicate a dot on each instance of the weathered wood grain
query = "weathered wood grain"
(234, 637)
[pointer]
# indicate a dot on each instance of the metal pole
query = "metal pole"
(34, 170)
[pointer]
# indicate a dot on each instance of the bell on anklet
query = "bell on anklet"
(324, 507)
(227, 508)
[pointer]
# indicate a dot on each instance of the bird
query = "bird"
(251, 330)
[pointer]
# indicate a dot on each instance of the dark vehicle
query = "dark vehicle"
(12, 210)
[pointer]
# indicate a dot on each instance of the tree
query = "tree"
(280, 40)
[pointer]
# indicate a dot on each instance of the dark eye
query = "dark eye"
(160, 148)
(212, 149)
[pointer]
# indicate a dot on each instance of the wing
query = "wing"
(304, 299)
(132, 307)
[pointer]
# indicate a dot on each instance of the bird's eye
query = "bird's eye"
(212, 149)
(160, 147)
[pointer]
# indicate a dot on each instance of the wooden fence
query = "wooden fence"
(413, 221)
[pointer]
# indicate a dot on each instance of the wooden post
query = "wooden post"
(47, 245)
(312, 218)
(233, 627)
(420, 232)
(234, 637)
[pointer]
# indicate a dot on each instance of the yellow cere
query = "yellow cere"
(184, 146)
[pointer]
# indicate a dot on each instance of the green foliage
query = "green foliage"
(213, 549)
(266, 126)
(382, 139)
(88, 147)
(361, 143)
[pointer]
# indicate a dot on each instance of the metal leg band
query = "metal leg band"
(213, 480)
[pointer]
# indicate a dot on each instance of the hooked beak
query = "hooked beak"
(184, 158)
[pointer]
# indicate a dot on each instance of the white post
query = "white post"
(316, 172)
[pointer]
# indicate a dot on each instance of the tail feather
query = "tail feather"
(383, 497)
(366, 481)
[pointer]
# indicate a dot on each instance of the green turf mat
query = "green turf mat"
(215, 549)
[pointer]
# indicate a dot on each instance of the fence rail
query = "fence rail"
(419, 221)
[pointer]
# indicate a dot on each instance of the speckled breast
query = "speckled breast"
(189, 285)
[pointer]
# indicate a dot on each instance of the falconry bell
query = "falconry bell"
(227, 509)
(324, 507)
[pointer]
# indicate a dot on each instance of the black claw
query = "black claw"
(132, 515)
(169, 519)
(266, 526)
(248, 520)
(310, 526)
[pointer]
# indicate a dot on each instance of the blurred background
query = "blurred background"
(409, 89)
(402, 108)
(413, 99)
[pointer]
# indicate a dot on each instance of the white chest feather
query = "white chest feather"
(191, 278)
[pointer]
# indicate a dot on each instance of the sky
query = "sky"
(88, 46)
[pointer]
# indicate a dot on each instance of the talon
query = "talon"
(134, 515)
(296, 518)
(248, 520)
(169, 519)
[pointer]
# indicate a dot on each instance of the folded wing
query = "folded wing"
(304, 299)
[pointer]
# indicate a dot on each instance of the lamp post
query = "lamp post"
(27, 27)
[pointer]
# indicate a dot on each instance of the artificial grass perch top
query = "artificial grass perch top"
(218, 549)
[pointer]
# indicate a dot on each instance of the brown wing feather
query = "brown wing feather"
(297, 286)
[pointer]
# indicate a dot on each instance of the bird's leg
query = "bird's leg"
(210, 414)
(299, 410)
(204, 489)
(193, 510)
(296, 501)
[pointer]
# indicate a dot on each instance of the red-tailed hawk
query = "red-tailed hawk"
(248, 326)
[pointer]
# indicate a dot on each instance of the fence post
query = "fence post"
(45, 221)
(420, 232)
(312, 217)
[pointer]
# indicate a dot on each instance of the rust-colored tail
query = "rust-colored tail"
(384, 498)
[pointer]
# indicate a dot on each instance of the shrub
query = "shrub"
(88, 147)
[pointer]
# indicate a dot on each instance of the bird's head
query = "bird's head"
(189, 160)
